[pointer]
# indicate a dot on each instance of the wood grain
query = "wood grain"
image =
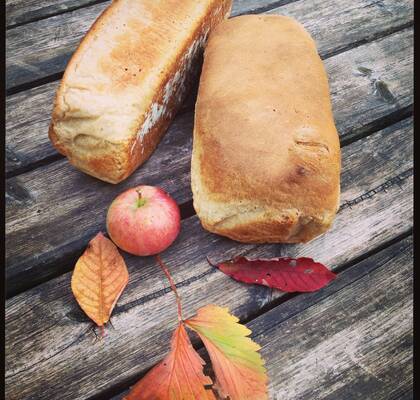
(28, 113)
(347, 341)
(42, 48)
(240, 7)
(351, 340)
(355, 343)
(45, 227)
(19, 12)
(23, 11)
(58, 356)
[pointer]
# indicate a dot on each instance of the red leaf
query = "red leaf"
(287, 274)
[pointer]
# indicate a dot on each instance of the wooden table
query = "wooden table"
(351, 340)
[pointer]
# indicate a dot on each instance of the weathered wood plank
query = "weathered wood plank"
(43, 48)
(294, 357)
(23, 11)
(28, 116)
(356, 343)
(28, 113)
(73, 208)
(60, 353)
(408, 395)
(240, 7)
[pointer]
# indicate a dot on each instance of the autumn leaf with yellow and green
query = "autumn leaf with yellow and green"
(238, 367)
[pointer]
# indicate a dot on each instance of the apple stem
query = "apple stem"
(140, 201)
(173, 286)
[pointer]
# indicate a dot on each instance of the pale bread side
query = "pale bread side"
(124, 84)
(266, 154)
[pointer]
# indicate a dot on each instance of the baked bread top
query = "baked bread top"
(106, 98)
(266, 151)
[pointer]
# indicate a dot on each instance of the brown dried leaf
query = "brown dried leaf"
(99, 278)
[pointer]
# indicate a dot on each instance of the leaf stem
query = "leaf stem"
(173, 287)
(212, 264)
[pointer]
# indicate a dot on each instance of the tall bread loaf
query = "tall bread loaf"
(126, 81)
(266, 153)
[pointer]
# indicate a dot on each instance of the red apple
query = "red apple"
(143, 220)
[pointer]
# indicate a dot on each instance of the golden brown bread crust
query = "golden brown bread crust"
(126, 81)
(266, 153)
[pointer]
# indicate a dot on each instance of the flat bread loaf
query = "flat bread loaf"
(266, 153)
(127, 79)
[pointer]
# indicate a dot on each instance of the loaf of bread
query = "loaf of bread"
(126, 81)
(266, 153)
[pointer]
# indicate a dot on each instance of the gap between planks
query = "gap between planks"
(145, 316)
(142, 316)
(23, 15)
(401, 130)
(384, 296)
(348, 274)
(27, 151)
(53, 155)
(239, 7)
(24, 154)
(351, 98)
(26, 66)
(16, 136)
(236, 284)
